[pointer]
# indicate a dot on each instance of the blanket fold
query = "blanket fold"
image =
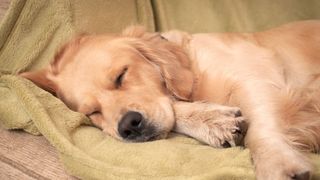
(33, 30)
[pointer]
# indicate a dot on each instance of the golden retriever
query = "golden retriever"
(136, 86)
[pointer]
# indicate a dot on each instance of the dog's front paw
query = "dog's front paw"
(227, 129)
(216, 125)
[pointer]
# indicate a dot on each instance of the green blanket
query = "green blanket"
(32, 31)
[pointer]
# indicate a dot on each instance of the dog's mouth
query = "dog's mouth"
(157, 137)
(148, 135)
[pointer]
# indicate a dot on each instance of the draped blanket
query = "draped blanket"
(33, 30)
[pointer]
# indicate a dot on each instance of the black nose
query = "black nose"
(131, 125)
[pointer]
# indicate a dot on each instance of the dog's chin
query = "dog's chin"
(152, 137)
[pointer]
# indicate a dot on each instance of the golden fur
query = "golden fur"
(273, 76)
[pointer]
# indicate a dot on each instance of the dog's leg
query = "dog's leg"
(216, 125)
(272, 153)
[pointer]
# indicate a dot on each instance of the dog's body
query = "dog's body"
(273, 76)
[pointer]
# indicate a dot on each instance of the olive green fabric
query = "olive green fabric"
(231, 15)
(32, 31)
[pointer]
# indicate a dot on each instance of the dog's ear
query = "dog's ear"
(42, 79)
(172, 61)
(45, 78)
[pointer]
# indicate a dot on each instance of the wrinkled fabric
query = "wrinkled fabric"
(33, 30)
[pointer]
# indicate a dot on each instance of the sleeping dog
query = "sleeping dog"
(138, 86)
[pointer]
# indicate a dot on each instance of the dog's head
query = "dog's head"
(124, 83)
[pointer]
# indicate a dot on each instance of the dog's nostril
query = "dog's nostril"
(135, 122)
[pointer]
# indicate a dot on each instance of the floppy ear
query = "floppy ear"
(173, 62)
(42, 79)
(45, 78)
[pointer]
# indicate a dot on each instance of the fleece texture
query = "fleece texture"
(33, 30)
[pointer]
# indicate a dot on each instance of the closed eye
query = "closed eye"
(119, 79)
(93, 113)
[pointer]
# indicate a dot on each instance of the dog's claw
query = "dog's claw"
(226, 144)
(301, 176)
(236, 130)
